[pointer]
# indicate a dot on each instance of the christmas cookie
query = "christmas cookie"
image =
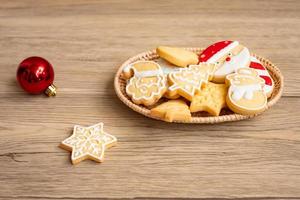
(146, 84)
(167, 68)
(187, 81)
(245, 94)
(170, 95)
(228, 55)
(177, 56)
(172, 110)
(211, 99)
(264, 74)
(88, 143)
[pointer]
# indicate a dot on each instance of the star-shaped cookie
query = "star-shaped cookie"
(88, 143)
(212, 98)
(172, 110)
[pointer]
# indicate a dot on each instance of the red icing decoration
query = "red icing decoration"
(267, 79)
(228, 59)
(256, 65)
(213, 49)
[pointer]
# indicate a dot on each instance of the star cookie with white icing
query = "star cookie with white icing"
(88, 143)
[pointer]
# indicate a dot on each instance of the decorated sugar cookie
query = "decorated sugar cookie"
(172, 110)
(177, 56)
(211, 99)
(228, 55)
(88, 143)
(264, 74)
(187, 81)
(245, 94)
(146, 84)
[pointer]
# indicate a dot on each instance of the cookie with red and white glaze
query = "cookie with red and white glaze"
(264, 74)
(228, 55)
(245, 94)
(146, 84)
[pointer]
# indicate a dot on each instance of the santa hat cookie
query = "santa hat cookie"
(146, 84)
(214, 52)
(229, 55)
(264, 74)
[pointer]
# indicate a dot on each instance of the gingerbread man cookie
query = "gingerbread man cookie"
(88, 143)
(146, 84)
(187, 81)
(228, 55)
(245, 94)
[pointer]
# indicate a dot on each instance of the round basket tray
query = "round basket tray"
(198, 117)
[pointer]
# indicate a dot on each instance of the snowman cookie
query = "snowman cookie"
(187, 81)
(229, 57)
(245, 94)
(146, 84)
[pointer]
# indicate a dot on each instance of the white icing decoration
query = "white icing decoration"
(239, 61)
(137, 82)
(89, 141)
(244, 91)
(160, 84)
(249, 95)
(243, 71)
(268, 88)
(147, 73)
(143, 89)
(166, 66)
(222, 52)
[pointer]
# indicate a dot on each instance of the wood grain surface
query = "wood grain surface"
(86, 41)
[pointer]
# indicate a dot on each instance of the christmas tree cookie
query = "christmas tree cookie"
(187, 81)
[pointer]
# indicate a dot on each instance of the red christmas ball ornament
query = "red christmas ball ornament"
(35, 75)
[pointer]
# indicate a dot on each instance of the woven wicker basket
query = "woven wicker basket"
(199, 117)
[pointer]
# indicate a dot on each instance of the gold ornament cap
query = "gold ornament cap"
(51, 90)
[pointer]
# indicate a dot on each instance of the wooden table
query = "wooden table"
(86, 41)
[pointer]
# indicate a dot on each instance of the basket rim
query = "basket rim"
(151, 55)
